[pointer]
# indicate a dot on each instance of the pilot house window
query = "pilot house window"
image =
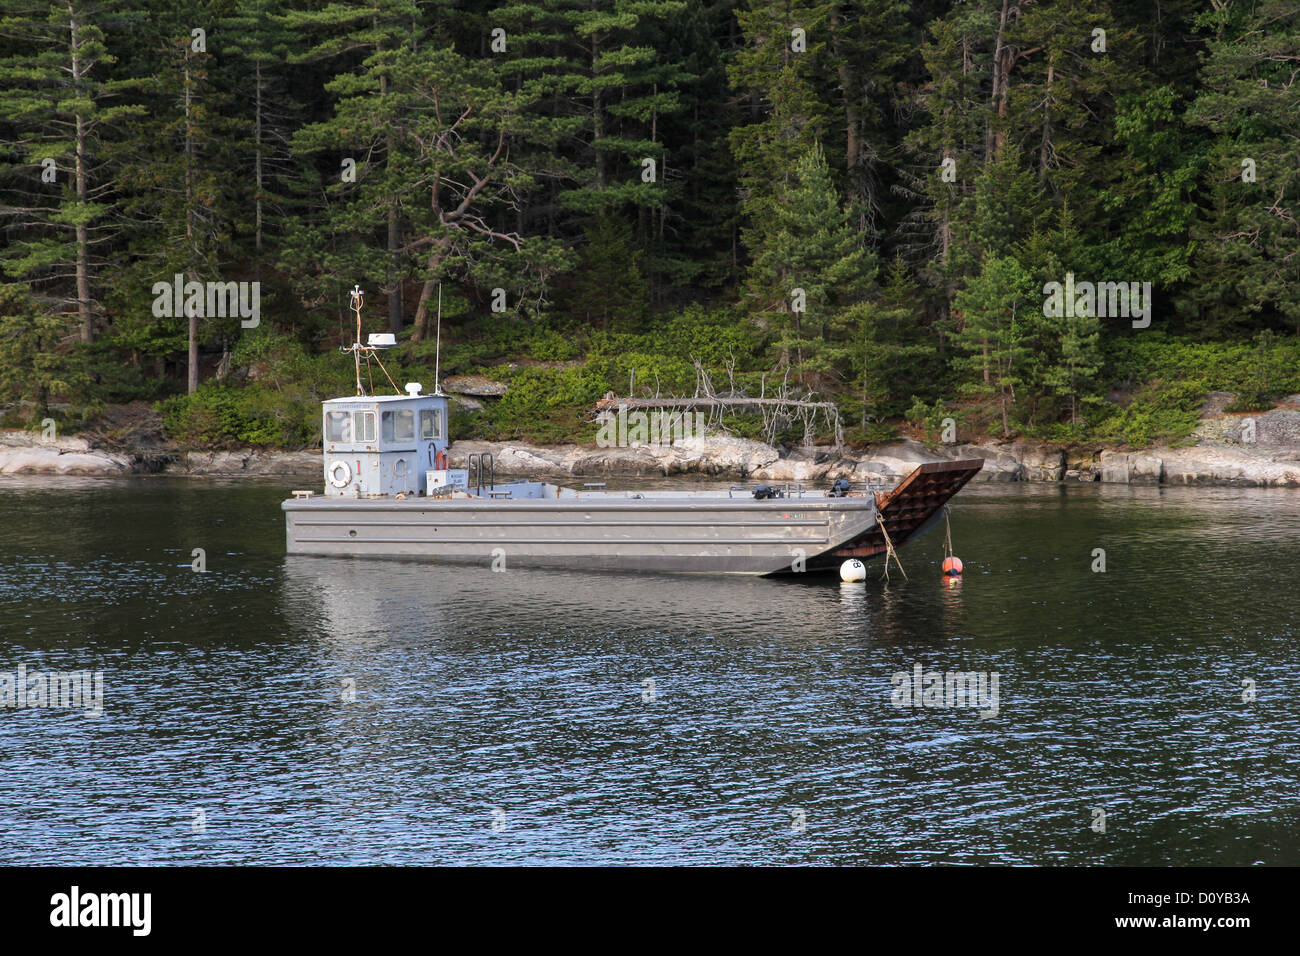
(347, 426)
(364, 423)
(337, 425)
(430, 424)
(399, 425)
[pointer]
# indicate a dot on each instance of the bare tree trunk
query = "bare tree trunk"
(798, 332)
(422, 312)
(394, 281)
(192, 383)
(597, 117)
(84, 312)
(394, 243)
(857, 186)
(257, 138)
(992, 137)
(1045, 149)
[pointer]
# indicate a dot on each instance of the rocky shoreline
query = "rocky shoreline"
(1218, 456)
(1257, 450)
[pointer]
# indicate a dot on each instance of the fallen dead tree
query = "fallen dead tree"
(785, 408)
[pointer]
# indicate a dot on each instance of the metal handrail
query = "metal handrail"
(476, 462)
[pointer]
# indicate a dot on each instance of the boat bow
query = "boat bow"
(910, 507)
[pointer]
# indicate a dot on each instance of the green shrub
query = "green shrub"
(547, 345)
(546, 405)
(1142, 424)
(207, 418)
(872, 433)
(219, 416)
(1252, 400)
(928, 418)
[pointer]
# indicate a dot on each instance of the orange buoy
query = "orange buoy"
(952, 566)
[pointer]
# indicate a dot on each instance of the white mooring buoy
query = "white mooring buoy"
(853, 570)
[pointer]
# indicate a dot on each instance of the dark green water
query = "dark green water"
(499, 717)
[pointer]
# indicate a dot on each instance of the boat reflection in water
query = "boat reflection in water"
(368, 601)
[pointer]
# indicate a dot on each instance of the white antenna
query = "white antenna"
(437, 349)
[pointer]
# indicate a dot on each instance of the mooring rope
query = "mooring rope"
(889, 549)
(947, 543)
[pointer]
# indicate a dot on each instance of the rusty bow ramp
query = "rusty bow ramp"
(907, 509)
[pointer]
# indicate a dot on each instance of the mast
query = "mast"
(374, 344)
(356, 343)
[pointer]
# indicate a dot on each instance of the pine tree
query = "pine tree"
(349, 35)
(995, 312)
(777, 73)
(55, 93)
(608, 283)
(1152, 202)
(689, 238)
(868, 44)
(444, 122)
(624, 86)
(891, 356)
(948, 145)
(179, 188)
(35, 363)
(1004, 207)
(1064, 350)
(1249, 238)
(260, 42)
(1059, 101)
(811, 266)
(1074, 373)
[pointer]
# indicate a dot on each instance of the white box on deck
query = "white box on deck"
(444, 480)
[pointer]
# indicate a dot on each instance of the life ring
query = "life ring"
(339, 480)
(442, 460)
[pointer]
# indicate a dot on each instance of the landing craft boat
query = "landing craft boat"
(389, 492)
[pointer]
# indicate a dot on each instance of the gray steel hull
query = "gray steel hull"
(692, 534)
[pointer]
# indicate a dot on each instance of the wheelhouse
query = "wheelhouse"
(383, 445)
